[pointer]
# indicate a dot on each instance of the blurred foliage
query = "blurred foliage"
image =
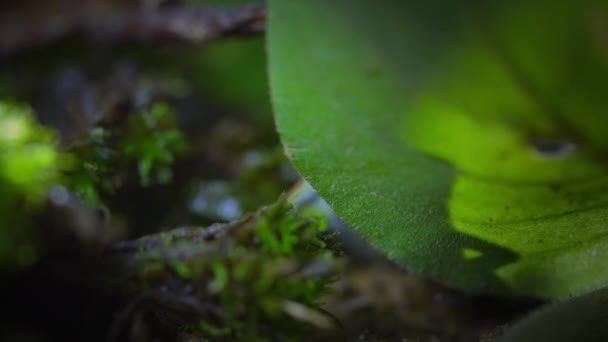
(234, 73)
(92, 174)
(262, 177)
(5, 88)
(29, 165)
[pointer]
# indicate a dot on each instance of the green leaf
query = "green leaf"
(465, 141)
(581, 319)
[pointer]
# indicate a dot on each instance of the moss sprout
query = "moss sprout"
(154, 141)
(150, 140)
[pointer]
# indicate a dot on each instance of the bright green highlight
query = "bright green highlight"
(469, 253)
(29, 164)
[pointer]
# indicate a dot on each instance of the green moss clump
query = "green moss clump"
(258, 278)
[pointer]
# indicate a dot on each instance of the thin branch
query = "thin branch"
(25, 27)
(178, 302)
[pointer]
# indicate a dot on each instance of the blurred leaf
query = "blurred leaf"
(581, 319)
(465, 141)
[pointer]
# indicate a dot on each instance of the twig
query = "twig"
(30, 26)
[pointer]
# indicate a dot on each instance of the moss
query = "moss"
(153, 140)
(248, 271)
(149, 141)
(95, 160)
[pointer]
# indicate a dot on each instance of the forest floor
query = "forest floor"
(164, 109)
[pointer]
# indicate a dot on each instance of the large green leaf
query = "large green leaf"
(464, 140)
